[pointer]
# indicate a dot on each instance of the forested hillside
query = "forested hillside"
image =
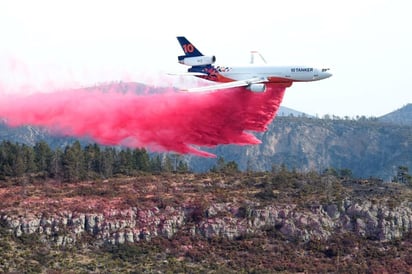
(75, 162)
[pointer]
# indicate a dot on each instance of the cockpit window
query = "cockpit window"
(325, 69)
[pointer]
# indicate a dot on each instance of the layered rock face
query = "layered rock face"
(369, 219)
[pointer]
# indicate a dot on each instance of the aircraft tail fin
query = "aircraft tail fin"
(188, 48)
(194, 58)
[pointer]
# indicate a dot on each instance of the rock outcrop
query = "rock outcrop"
(372, 220)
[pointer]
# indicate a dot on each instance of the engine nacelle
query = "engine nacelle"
(257, 87)
(197, 60)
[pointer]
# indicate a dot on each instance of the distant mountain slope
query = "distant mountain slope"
(285, 111)
(402, 116)
(368, 148)
(30, 135)
(124, 87)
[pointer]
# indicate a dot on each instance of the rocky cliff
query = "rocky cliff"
(219, 208)
(228, 220)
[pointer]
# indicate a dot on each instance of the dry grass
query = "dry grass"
(149, 190)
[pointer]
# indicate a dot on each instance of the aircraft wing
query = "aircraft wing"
(188, 73)
(240, 83)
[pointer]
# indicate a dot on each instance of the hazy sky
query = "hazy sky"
(367, 44)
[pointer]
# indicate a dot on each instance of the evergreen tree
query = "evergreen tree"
(231, 167)
(222, 166)
(43, 156)
(56, 164)
(28, 159)
(73, 163)
(140, 160)
(3, 159)
(6, 160)
(17, 161)
(345, 173)
(402, 175)
(330, 171)
(167, 164)
(107, 159)
(124, 163)
(156, 164)
(92, 160)
(179, 165)
(182, 167)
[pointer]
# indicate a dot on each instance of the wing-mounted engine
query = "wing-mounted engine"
(197, 60)
(257, 87)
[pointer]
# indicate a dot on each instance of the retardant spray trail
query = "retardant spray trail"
(172, 121)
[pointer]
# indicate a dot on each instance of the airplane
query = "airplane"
(253, 77)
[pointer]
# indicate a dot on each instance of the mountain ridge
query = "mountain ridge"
(401, 116)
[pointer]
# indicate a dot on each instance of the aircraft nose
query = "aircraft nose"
(327, 75)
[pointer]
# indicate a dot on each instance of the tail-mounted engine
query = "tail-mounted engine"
(197, 60)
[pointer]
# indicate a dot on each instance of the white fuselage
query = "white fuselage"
(274, 73)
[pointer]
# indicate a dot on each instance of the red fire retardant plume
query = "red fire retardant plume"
(172, 121)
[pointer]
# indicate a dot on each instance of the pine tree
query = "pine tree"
(5, 159)
(92, 158)
(56, 164)
(124, 163)
(18, 166)
(402, 175)
(182, 167)
(28, 159)
(73, 163)
(107, 159)
(156, 164)
(43, 156)
(140, 160)
(167, 164)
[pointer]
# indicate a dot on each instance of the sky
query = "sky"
(367, 44)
